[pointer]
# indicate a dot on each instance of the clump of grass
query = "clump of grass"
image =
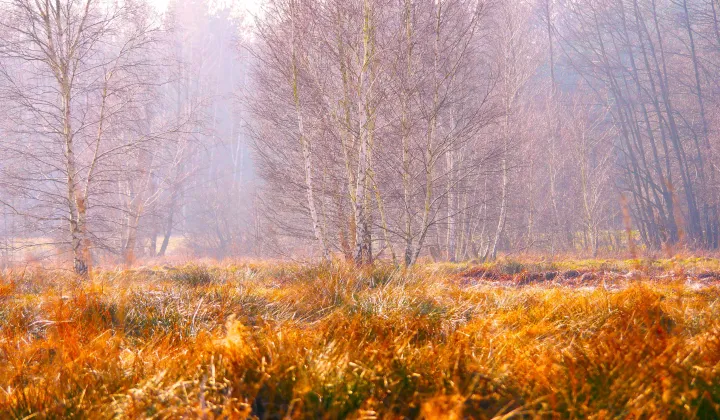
(511, 267)
(301, 341)
(194, 275)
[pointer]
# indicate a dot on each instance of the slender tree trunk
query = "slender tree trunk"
(347, 139)
(383, 220)
(405, 124)
(451, 208)
(305, 145)
(169, 223)
(363, 248)
(503, 194)
(76, 204)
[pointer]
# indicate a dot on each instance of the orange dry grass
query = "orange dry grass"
(273, 340)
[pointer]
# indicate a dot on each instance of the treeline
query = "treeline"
(391, 129)
(464, 128)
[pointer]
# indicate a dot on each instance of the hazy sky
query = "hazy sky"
(251, 6)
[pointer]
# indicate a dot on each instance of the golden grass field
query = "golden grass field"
(591, 339)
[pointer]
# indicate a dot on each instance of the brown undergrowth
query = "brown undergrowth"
(262, 340)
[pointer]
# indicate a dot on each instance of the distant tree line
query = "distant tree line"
(365, 129)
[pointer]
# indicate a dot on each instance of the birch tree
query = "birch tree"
(72, 71)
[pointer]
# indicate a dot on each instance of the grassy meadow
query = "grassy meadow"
(270, 340)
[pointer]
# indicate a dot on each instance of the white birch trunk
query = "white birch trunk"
(306, 151)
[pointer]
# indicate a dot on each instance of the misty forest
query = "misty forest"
(359, 209)
(394, 130)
